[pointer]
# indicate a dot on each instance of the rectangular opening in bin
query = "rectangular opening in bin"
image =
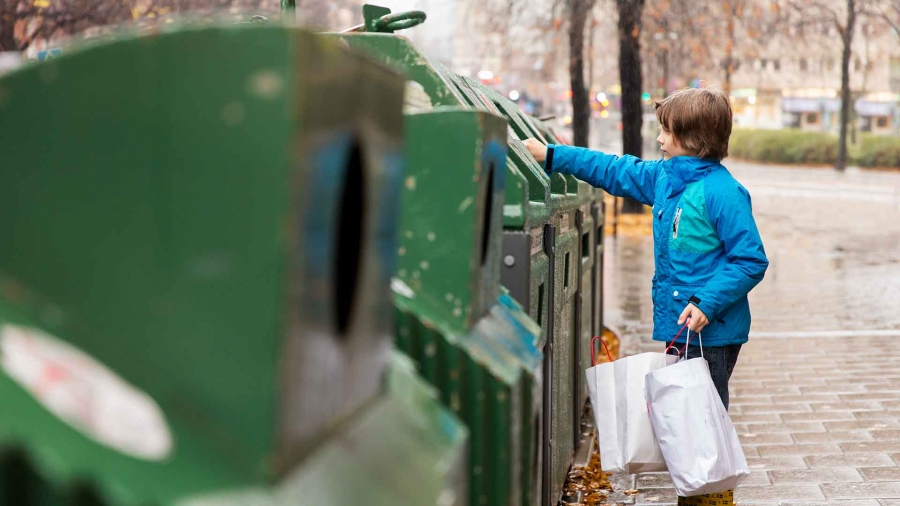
(566, 274)
(540, 307)
(585, 245)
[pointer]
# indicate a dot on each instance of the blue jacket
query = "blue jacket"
(707, 247)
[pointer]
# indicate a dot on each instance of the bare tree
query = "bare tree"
(846, 30)
(581, 105)
(889, 11)
(679, 35)
(844, 17)
(22, 22)
(632, 83)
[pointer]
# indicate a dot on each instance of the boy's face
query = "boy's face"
(669, 145)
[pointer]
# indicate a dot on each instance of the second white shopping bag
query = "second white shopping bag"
(698, 440)
(625, 435)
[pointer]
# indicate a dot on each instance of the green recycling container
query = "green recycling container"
(197, 307)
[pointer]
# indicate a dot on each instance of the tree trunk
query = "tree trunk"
(8, 19)
(581, 105)
(729, 44)
(841, 162)
(631, 81)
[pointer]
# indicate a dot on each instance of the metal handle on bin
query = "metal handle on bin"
(399, 21)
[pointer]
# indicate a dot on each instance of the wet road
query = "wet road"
(816, 392)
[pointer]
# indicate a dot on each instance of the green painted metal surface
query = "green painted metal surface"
(532, 203)
(404, 449)
(472, 342)
(205, 218)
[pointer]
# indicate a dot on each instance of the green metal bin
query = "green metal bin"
(194, 297)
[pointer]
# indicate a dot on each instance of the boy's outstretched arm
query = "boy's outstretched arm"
(732, 216)
(625, 176)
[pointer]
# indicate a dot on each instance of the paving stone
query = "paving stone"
(773, 463)
(889, 398)
(756, 418)
(876, 415)
(832, 389)
(806, 398)
(861, 490)
(833, 474)
(656, 496)
(778, 492)
(745, 401)
(834, 436)
(883, 387)
(655, 480)
(884, 435)
(795, 407)
(847, 406)
(854, 460)
(821, 416)
(799, 449)
(794, 427)
(764, 439)
(809, 385)
(862, 425)
(757, 479)
(861, 502)
(880, 473)
(765, 392)
(875, 447)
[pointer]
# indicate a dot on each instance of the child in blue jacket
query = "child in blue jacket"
(708, 252)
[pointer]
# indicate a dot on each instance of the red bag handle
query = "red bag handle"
(688, 322)
(594, 357)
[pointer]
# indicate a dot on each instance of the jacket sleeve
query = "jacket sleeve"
(625, 176)
(731, 215)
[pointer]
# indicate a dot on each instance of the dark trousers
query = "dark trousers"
(721, 360)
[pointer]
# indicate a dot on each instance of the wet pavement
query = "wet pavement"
(816, 392)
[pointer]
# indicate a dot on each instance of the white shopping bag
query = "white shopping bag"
(625, 435)
(695, 433)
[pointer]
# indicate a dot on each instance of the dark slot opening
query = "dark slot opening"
(349, 239)
(540, 311)
(488, 210)
(84, 494)
(19, 483)
(566, 275)
(586, 245)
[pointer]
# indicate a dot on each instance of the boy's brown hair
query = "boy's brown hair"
(699, 119)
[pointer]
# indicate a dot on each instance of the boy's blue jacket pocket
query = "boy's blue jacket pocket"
(707, 247)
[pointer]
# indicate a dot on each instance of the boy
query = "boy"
(708, 252)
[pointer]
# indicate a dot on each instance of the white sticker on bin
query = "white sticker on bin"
(84, 393)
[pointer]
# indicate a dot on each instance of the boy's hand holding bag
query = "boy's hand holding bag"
(625, 434)
(698, 441)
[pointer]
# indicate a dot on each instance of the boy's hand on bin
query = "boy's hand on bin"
(537, 149)
(696, 319)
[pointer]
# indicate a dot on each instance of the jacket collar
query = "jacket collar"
(683, 170)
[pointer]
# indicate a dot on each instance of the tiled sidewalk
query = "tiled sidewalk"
(819, 420)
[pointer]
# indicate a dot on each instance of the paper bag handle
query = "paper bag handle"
(688, 322)
(594, 357)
